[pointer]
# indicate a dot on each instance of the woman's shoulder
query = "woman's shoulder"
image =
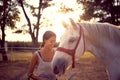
(35, 54)
(34, 57)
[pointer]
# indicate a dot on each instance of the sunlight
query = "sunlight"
(51, 18)
(77, 9)
(65, 2)
(33, 2)
(55, 15)
(16, 37)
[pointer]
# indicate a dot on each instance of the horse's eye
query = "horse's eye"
(72, 40)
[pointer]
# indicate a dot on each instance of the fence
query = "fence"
(20, 46)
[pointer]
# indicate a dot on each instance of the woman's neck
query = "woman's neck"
(47, 50)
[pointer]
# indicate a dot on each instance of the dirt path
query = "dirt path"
(87, 68)
(13, 70)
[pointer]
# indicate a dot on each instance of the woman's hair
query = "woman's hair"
(47, 35)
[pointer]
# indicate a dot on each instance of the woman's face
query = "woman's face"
(50, 42)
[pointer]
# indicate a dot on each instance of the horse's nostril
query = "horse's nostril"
(56, 71)
(63, 69)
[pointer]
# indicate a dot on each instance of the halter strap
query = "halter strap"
(72, 52)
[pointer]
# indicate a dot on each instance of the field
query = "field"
(87, 68)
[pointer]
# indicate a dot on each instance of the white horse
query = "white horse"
(102, 39)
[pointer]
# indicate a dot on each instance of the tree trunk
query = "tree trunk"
(37, 24)
(4, 55)
(112, 12)
(33, 33)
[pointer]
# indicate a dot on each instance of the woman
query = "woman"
(42, 59)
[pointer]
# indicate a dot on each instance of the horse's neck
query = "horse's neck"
(98, 41)
(100, 35)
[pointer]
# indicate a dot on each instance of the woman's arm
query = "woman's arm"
(33, 63)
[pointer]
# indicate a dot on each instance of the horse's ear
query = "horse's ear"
(65, 24)
(73, 24)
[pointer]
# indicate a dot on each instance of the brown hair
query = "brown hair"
(46, 36)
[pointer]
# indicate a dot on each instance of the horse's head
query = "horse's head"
(68, 47)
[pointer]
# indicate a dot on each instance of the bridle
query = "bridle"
(72, 52)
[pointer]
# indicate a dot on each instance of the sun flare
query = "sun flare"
(51, 17)
(54, 15)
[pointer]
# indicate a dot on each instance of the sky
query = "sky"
(51, 14)
(25, 37)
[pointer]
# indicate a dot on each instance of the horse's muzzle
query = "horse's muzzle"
(56, 70)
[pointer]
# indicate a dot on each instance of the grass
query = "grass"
(26, 56)
(18, 56)
(87, 55)
(87, 68)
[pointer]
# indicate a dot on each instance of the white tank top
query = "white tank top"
(44, 68)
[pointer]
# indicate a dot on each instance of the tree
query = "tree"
(35, 30)
(8, 17)
(105, 10)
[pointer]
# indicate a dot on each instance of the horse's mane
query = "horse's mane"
(102, 31)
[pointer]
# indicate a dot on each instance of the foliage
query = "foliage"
(8, 17)
(105, 10)
(11, 12)
(36, 14)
